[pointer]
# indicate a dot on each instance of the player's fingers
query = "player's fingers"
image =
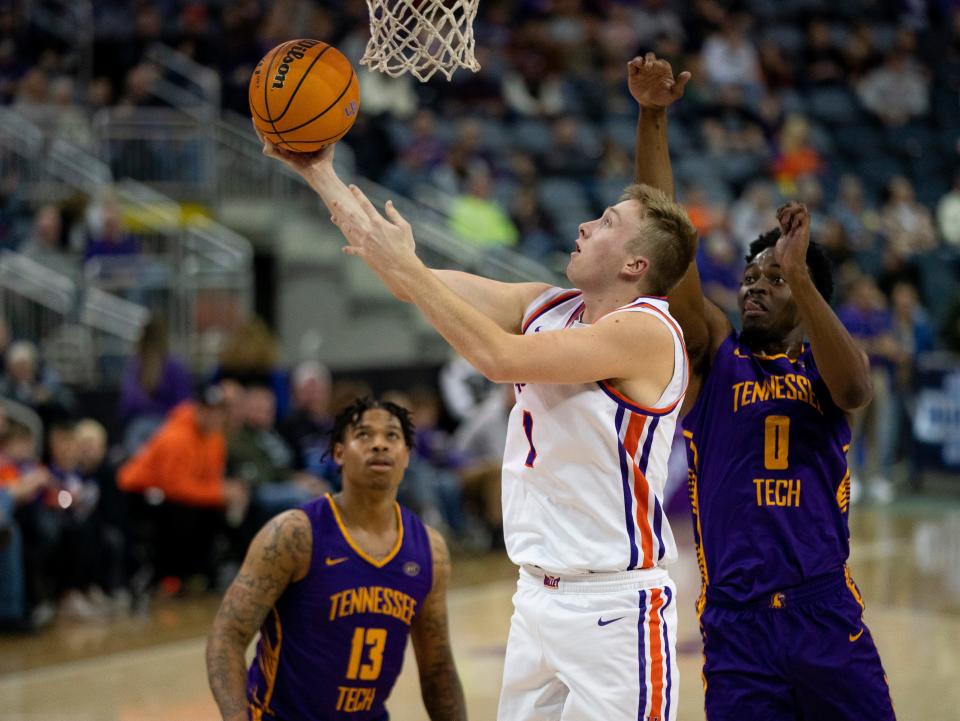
(681, 83)
(393, 215)
(365, 203)
(649, 58)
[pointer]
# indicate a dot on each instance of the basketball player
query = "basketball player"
(767, 421)
(335, 588)
(599, 375)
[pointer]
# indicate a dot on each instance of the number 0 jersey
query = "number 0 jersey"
(584, 467)
(332, 646)
(768, 475)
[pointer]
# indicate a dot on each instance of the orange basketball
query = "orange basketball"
(304, 95)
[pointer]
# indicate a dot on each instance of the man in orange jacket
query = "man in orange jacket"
(180, 472)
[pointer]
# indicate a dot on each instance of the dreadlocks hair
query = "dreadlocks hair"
(352, 414)
(821, 269)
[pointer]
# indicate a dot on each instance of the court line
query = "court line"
(455, 597)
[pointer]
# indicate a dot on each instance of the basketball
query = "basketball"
(304, 95)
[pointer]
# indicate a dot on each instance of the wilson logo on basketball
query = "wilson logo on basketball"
(293, 53)
(351, 109)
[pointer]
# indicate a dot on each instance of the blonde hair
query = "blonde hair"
(666, 237)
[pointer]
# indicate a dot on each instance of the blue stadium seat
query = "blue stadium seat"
(562, 195)
(834, 105)
(530, 135)
(858, 141)
(913, 140)
(789, 38)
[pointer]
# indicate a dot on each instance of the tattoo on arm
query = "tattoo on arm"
(279, 554)
(439, 682)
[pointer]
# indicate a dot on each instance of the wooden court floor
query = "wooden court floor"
(906, 560)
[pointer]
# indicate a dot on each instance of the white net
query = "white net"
(421, 37)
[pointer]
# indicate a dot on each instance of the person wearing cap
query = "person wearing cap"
(180, 472)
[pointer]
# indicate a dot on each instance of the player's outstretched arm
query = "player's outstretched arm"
(843, 366)
(653, 86)
(279, 554)
(502, 302)
(439, 682)
(611, 348)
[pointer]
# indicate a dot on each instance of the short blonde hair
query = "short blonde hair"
(667, 237)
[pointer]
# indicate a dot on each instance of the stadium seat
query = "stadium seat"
(834, 105)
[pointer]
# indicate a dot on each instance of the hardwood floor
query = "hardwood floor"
(906, 560)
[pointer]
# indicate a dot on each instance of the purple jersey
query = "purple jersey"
(332, 646)
(768, 475)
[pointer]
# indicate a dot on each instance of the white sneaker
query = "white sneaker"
(881, 490)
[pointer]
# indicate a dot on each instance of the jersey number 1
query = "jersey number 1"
(528, 429)
(776, 443)
(373, 639)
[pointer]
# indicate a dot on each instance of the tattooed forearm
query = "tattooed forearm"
(442, 692)
(275, 557)
(238, 619)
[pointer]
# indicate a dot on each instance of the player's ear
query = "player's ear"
(635, 267)
(338, 453)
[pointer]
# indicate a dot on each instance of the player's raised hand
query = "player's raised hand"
(386, 244)
(651, 81)
(791, 248)
(301, 163)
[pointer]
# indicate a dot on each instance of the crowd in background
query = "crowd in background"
(89, 528)
(853, 108)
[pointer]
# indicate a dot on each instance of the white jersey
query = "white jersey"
(585, 467)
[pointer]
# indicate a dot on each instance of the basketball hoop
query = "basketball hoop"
(421, 37)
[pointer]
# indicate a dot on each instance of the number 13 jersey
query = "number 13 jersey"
(332, 646)
(585, 467)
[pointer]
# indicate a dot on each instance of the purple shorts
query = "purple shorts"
(800, 655)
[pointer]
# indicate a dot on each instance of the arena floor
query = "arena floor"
(906, 559)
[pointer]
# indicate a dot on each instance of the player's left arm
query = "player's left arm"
(607, 349)
(843, 366)
(430, 633)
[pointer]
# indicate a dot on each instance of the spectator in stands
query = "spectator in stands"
(37, 521)
(860, 221)
(537, 233)
(68, 119)
(24, 382)
(730, 58)
(80, 554)
(914, 334)
(569, 154)
(867, 317)
(948, 214)
(18, 487)
(754, 213)
(434, 456)
(307, 427)
(111, 517)
(259, 456)
(823, 63)
(794, 157)
(180, 473)
(252, 351)
(480, 440)
(907, 225)
(45, 242)
(532, 86)
(896, 91)
(154, 382)
(107, 237)
(477, 218)
(720, 261)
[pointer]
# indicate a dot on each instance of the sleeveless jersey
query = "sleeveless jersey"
(332, 646)
(584, 467)
(768, 475)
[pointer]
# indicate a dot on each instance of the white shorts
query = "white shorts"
(591, 648)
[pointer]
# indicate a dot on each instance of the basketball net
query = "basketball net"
(421, 37)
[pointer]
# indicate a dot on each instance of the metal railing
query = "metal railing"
(196, 272)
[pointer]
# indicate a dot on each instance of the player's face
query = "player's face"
(373, 454)
(600, 252)
(767, 307)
